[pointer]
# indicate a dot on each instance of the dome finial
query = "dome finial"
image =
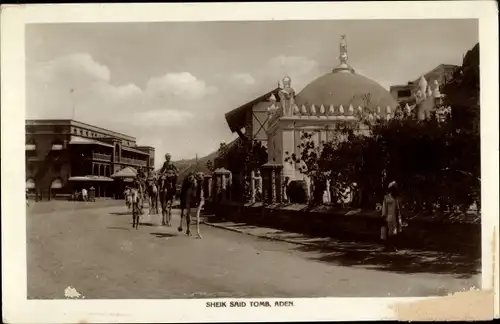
(343, 66)
(343, 49)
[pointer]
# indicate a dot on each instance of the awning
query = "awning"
(30, 147)
(30, 184)
(126, 148)
(91, 178)
(56, 184)
(127, 172)
(57, 147)
(77, 140)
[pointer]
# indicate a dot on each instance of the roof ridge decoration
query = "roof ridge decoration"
(343, 57)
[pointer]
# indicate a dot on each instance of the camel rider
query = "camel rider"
(168, 166)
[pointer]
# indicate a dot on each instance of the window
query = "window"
(404, 93)
(57, 167)
(87, 133)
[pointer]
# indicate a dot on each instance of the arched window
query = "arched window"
(57, 167)
(30, 183)
(56, 184)
(57, 145)
(30, 144)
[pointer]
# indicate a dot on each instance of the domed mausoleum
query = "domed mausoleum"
(346, 88)
(338, 97)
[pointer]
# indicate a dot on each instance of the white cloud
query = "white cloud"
(245, 78)
(300, 69)
(164, 118)
(183, 85)
(158, 110)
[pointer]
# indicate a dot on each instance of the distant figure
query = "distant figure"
(85, 196)
(286, 185)
(200, 201)
(128, 197)
(258, 186)
(137, 186)
(391, 214)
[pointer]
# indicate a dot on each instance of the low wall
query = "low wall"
(422, 232)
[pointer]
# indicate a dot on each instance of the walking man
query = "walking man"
(391, 214)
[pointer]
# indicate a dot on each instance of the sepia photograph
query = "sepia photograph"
(252, 163)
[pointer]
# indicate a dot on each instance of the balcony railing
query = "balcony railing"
(133, 161)
(102, 157)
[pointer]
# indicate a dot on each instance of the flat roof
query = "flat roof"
(71, 122)
(128, 148)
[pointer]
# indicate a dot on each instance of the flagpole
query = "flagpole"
(72, 103)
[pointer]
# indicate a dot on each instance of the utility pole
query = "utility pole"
(72, 103)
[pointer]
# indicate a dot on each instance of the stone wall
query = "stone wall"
(421, 232)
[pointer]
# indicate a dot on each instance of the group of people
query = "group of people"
(191, 195)
(83, 195)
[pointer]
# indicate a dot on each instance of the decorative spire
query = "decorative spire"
(343, 66)
(313, 110)
(343, 50)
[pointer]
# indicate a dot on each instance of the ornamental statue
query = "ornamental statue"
(287, 96)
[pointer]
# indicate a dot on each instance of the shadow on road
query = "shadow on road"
(146, 224)
(404, 261)
(162, 235)
(118, 228)
(121, 213)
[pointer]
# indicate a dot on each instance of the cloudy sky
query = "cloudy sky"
(169, 84)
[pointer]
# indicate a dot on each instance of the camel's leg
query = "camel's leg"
(188, 221)
(180, 225)
(163, 213)
(169, 212)
(198, 211)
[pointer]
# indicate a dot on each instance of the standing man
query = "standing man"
(391, 214)
(84, 194)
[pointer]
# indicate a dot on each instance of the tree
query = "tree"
(241, 155)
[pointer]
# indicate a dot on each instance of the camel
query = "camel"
(191, 195)
(167, 189)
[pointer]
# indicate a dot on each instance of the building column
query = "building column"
(271, 178)
(252, 187)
